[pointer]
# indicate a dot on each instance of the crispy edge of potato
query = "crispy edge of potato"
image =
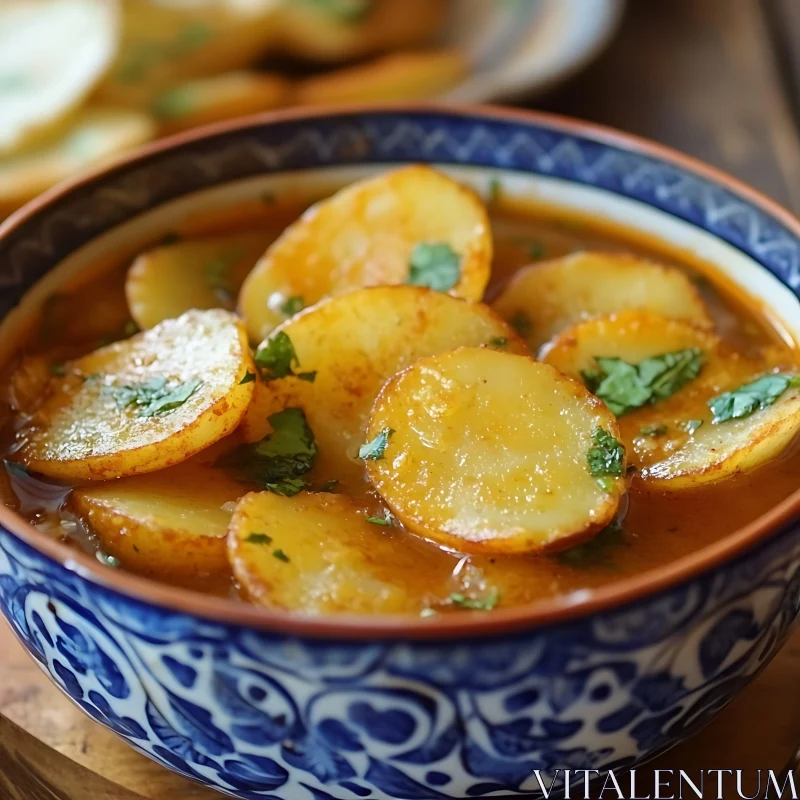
(777, 430)
(261, 320)
(144, 545)
(488, 546)
(511, 301)
(226, 413)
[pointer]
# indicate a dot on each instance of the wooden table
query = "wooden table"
(717, 78)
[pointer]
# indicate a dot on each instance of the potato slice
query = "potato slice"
(219, 97)
(672, 441)
(172, 523)
(164, 43)
(145, 403)
(398, 76)
(354, 343)
(489, 452)
(316, 553)
(546, 298)
(96, 135)
(365, 236)
(345, 29)
(44, 77)
(165, 282)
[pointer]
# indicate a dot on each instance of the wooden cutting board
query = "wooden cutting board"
(49, 750)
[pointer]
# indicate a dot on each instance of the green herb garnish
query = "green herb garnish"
(280, 555)
(495, 190)
(475, 603)
(606, 458)
(654, 430)
(277, 356)
(691, 425)
(249, 377)
(292, 305)
(595, 552)
(281, 458)
(217, 273)
(259, 538)
(436, 266)
(379, 521)
(310, 377)
(375, 449)
(521, 323)
(536, 251)
(153, 397)
(328, 486)
(624, 387)
(751, 397)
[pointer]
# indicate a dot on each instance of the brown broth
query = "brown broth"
(656, 528)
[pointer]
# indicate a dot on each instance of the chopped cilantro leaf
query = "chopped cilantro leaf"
(596, 552)
(292, 305)
(751, 397)
(624, 387)
(310, 377)
(654, 430)
(280, 555)
(607, 456)
(521, 323)
(691, 425)
(249, 377)
(486, 603)
(536, 251)
(259, 538)
(379, 521)
(289, 487)
(436, 266)
(277, 356)
(375, 449)
(281, 458)
(153, 397)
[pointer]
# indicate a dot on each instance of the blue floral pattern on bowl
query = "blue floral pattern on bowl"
(262, 714)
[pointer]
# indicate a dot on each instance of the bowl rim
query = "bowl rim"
(467, 624)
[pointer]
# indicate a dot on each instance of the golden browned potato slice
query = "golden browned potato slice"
(164, 43)
(165, 282)
(352, 344)
(672, 439)
(413, 224)
(219, 97)
(316, 553)
(95, 135)
(172, 523)
(44, 77)
(145, 403)
(346, 29)
(487, 452)
(398, 76)
(546, 298)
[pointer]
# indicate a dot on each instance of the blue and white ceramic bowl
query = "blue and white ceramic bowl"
(268, 705)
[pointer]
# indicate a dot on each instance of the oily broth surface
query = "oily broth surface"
(657, 527)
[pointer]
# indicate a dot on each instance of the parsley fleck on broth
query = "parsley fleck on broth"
(277, 357)
(436, 266)
(606, 457)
